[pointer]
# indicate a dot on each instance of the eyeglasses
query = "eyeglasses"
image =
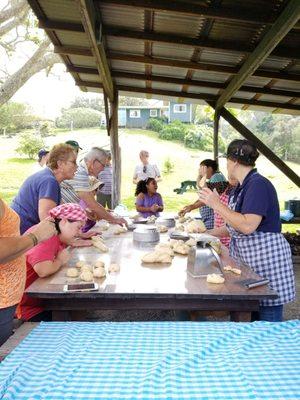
(103, 165)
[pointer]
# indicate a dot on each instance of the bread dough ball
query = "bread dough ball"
(104, 227)
(72, 272)
(215, 278)
(162, 228)
(182, 249)
(87, 267)
(191, 242)
(80, 264)
(99, 272)
(86, 276)
(216, 245)
(98, 243)
(179, 227)
(175, 242)
(157, 257)
(195, 227)
(151, 219)
(162, 248)
(113, 268)
(99, 264)
(120, 229)
(229, 268)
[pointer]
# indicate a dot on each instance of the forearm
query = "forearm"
(49, 268)
(196, 205)
(13, 247)
(143, 209)
(222, 231)
(236, 220)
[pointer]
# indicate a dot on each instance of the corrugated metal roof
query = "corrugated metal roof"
(220, 45)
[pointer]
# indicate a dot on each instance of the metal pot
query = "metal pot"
(168, 222)
(146, 234)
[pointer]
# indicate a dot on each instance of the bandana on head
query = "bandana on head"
(70, 211)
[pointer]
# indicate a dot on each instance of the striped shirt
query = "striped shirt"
(105, 177)
(80, 183)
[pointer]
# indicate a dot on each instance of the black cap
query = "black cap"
(42, 153)
(74, 143)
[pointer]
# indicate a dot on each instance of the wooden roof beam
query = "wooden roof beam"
(202, 96)
(226, 14)
(54, 25)
(92, 26)
(235, 47)
(275, 34)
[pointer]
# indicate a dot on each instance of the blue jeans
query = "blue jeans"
(271, 313)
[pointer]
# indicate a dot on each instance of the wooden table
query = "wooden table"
(137, 286)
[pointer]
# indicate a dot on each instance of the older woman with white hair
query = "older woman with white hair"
(78, 188)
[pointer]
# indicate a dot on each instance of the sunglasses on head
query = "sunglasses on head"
(144, 169)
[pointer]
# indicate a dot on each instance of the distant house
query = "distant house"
(138, 116)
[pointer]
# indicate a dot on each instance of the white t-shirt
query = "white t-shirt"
(151, 171)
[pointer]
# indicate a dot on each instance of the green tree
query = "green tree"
(29, 145)
(79, 118)
(15, 116)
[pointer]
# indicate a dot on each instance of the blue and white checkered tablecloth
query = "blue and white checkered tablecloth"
(155, 360)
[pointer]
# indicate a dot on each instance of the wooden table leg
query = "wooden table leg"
(240, 316)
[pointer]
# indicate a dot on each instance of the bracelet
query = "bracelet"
(34, 238)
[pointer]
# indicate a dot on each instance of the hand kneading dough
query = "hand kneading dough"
(215, 278)
(113, 268)
(157, 257)
(99, 272)
(191, 242)
(99, 264)
(80, 264)
(162, 228)
(195, 227)
(232, 269)
(86, 276)
(72, 272)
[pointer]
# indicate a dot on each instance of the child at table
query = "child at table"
(148, 201)
(49, 256)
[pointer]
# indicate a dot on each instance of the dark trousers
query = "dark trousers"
(6, 323)
(104, 200)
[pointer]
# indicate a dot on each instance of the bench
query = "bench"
(185, 185)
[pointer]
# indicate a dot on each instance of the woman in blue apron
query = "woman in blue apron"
(253, 223)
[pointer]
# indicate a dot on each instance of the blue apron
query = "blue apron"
(268, 254)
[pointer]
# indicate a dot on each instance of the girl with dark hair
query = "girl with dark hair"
(208, 174)
(148, 201)
(253, 223)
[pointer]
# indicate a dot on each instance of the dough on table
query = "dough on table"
(216, 245)
(72, 273)
(232, 269)
(151, 219)
(162, 228)
(175, 242)
(161, 247)
(181, 249)
(99, 272)
(86, 276)
(120, 229)
(104, 227)
(179, 227)
(99, 264)
(157, 257)
(215, 278)
(113, 268)
(98, 243)
(87, 267)
(191, 242)
(195, 227)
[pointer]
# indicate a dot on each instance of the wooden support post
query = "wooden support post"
(236, 124)
(216, 134)
(107, 113)
(115, 151)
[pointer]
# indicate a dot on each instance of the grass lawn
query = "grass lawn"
(13, 170)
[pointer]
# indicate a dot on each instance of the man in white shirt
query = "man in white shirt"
(145, 170)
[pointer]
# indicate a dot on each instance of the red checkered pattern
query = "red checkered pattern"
(219, 221)
(68, 211)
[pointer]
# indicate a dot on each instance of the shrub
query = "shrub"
(29, 145)
(79, 118)
(168, 166)
(174, 131)
(155, 125)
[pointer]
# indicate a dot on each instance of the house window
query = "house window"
(179, 108)
(153, 113)
(135, 113)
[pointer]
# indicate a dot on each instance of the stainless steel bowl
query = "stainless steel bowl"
(146, 234)
(168, 222)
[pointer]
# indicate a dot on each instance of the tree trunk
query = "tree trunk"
(39, 61)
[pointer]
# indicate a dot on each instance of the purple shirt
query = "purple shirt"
(259, 197)
(41, 185)
(148, 201)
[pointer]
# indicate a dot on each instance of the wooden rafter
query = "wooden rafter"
(281, 27)
(202, 96)
(91, 22)
(257, 16)
(149, 36)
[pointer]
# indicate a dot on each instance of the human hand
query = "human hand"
(91, 215)
(209, 197)
(81, 243)
(63, 256)
(154, 208)
(89, 234)
(185, 210)
(44, 230)
(119, 221)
